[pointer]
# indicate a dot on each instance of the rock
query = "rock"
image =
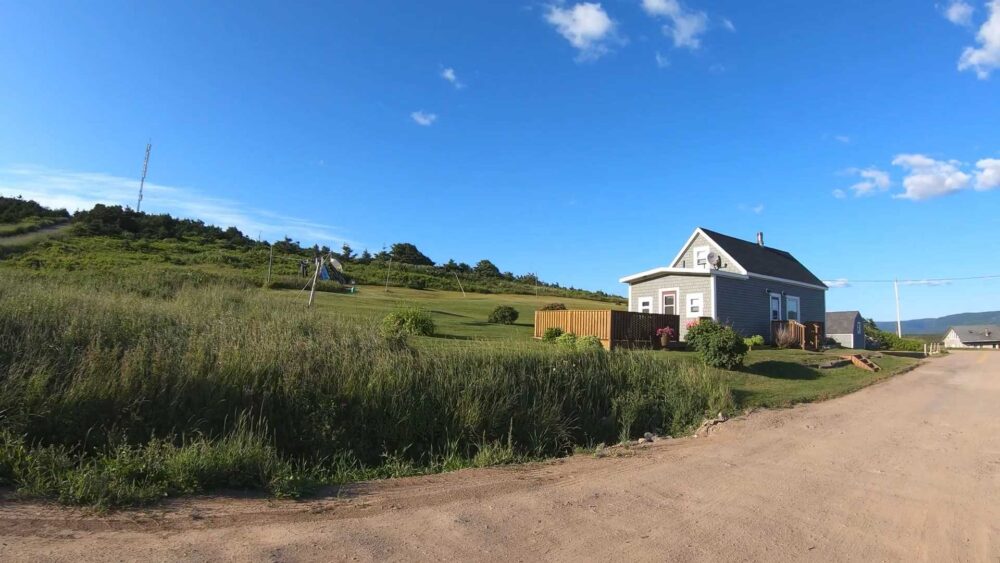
(642, 440)
(721, 417)
(648, 436)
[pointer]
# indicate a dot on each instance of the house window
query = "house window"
(695, 305)
(646, 305)
(857, 327)
(669, 301)
(775, 306)
(792, 306)
(701, 257)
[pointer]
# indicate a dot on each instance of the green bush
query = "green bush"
(406, 322)
(552, 333)
(755, 340)
(718, 345)
(589, 343)
(503, 314)
(567, 340)
(554, 307)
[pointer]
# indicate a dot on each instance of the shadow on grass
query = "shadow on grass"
(448, 314)
(782, 370)
(453, 337)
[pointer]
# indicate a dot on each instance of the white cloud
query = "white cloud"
(449, 75)
(959, 12)
(423, 118)
(986, 57)
(82, 190)
(928, 178)
(755, 209)
(685, 26)
(838, 283)
(839, 193)
(988, 175)
(728, 24)
(931, 283)
(842, 138)
(662, 61)
(872, 181)
(586, 26)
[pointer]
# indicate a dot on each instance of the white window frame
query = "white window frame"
(648, 304)
(701, 301)
(677, 299)
(770, 310)
(694, 253)
(798, 307)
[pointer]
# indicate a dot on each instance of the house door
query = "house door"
(668, 302)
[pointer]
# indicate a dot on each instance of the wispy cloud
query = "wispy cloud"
(449, 75)
(683, 25)
(959, 12)
(839, 193)
(872, 181)
(755, 209)
(984, 58)
(81, 190)
(842, 139)
(928, 178)
(838, 283)
(662, 61)
(421, 117)
(728, 24)
(932, 283)
(587, 27)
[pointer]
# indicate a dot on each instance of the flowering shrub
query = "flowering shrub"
(692, 324)
(718, 345)
(667, 331)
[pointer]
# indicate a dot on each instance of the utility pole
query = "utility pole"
(459, 283)
(142, 182)
(270, 260)
(387, 270)
(899, 323)
(312, 292)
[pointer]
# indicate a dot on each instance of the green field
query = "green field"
(135, 367)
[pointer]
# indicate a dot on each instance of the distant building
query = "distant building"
(973, 336)
(847, 328)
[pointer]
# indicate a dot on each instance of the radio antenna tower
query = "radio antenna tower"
(142, 182)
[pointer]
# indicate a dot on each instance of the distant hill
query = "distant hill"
(940, 325)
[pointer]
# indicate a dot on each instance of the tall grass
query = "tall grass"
(93, 378)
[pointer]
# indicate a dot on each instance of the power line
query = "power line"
(917, 281)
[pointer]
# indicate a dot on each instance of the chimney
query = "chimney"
(760, 238)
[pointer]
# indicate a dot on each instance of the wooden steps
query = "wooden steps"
(862, 362)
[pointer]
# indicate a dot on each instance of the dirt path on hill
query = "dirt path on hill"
(905, 470)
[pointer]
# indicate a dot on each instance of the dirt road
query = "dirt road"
(905, 470)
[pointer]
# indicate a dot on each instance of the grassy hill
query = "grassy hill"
(938, 326)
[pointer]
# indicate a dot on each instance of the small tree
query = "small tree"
(408, 254)
(487, 268)
(755, 340)
(503, 314)
(346, 253)
(554, 307)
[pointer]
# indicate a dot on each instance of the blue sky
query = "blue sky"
(581, 141)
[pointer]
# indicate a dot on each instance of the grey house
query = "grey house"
(847, 328)
(973, 336)
(741, 283)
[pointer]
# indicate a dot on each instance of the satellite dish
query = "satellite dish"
(713, 259)
(336, 264)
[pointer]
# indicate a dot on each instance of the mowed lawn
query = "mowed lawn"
(456, 317)
(770, 378)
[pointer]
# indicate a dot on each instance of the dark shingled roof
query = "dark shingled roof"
(764, 260)
(841, 322)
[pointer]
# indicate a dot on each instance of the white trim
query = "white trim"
(798, 307)
(715, 294)
(677, 299)
(647, 299)
(721, 250)
(770, 310)
(687, 305)
(630, 298)
(658, 272)
(783, 280)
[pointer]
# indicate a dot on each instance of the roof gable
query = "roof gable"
(762, 260)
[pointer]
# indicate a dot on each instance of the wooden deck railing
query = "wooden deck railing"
(808, 335)
(613, 328)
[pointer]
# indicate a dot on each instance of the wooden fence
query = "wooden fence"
(613, 328)
(808, 335)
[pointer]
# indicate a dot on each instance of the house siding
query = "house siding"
(845, 340)
(687, 259)
(686, 284)
(745, 305)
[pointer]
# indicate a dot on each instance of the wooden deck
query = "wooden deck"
(613, 328)
(809, 335)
